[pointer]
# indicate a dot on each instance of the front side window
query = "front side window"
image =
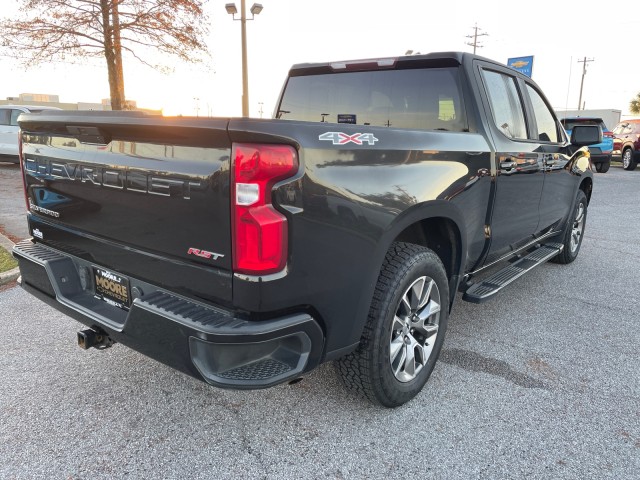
(547, 127)
(620, 128)
(506, 106)
(422, 99)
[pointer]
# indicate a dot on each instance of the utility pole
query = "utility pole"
(584, 72)
(475, 36)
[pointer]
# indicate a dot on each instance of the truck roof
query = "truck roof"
(445, 59)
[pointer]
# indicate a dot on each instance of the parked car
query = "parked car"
(9, 128)
(626, 143)
(600, 152)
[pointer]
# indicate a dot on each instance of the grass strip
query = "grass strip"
(7, 262)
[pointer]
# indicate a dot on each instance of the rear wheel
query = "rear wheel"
(604, 166)
(628, 161)
(599, 167)
(574, 231)
(405, 328)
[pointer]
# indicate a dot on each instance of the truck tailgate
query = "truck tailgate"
(132, 192)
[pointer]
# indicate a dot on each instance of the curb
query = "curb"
(14, 273)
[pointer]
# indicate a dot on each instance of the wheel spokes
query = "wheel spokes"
(398, 366)
(396, 347)
(579, 214)
(431, 309)
(431, 331)
(398, 323)
(430, 340)
(405, 306)
(578, 225)
(414, 329)
(416, 293)
(410, 361)
(426, 293)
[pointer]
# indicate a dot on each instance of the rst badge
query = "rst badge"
(340, 138)
(204, 254)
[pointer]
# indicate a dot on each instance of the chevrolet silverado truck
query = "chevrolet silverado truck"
(245, 252)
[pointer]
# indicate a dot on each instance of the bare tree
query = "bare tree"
(55, 29)
(634, 105)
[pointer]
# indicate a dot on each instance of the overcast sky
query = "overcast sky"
(557, 33)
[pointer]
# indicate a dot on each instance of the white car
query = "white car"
(9, 129)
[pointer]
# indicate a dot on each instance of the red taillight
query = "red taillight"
(259, 230)
(607, 134)
(22, 171)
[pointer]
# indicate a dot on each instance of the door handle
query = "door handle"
(508, 164)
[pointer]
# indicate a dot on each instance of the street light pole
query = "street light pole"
(255, 10)
(245, 73)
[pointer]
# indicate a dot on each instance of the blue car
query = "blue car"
(600, 152)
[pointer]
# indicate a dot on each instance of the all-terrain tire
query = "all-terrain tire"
(405, 328)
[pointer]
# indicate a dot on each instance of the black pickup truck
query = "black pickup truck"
(245, 252)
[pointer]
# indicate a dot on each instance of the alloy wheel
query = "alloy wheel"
(578, 227)
(414, 329)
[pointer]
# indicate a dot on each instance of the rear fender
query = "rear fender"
(431, 210)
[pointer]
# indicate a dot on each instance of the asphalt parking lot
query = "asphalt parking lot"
(541, 382)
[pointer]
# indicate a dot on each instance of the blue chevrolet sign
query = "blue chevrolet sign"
(522, 64)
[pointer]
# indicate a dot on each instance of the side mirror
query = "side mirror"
(583, 135)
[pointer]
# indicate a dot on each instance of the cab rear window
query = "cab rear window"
(421, 99)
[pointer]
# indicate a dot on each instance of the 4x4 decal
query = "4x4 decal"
(340, 138)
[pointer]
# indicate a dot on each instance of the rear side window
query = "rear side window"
(14, 117)
(506, 105)
(546, 122)
(422, 99)
(5, 116)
